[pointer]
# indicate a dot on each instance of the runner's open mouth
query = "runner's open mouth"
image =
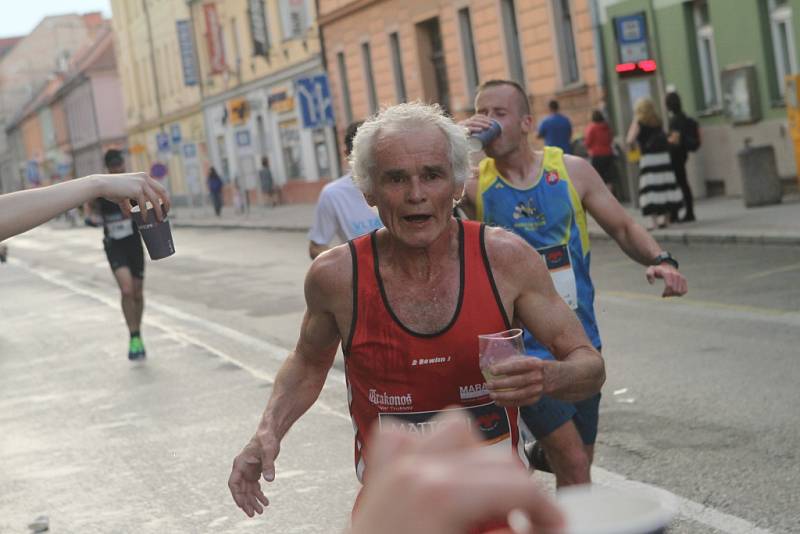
(416, 218)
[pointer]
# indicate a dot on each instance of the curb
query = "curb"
(235, 225)
(685, 238)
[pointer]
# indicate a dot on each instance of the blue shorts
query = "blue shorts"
(550, 414)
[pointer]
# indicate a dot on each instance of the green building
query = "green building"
(728, 60)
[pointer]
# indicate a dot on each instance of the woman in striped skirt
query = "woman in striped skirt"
(659, 193)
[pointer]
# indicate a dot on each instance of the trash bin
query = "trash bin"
(761, 184)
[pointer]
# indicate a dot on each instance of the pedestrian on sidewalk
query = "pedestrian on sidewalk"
(341, 210)
(408, 302)
(598, 139)
(659, 194)
(556, 129)
(268, 189)
(215, 190)
(123, 246)
(543, 196)
(683, 137)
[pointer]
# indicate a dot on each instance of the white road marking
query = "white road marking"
(685, 508)
(273, 351)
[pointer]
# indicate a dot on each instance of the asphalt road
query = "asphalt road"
(701, 397)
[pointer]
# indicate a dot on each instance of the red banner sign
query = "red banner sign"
(216, 49)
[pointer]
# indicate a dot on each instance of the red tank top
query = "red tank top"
(398, 377)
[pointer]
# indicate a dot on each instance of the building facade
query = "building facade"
(387, 51)
(265, 95)
(727, 59)
(162, 94)
(24, 71)
(91, 99)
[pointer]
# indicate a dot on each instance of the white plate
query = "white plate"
(602, 510)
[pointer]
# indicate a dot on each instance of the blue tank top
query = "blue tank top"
(548, 215)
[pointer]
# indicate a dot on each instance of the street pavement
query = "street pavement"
(700, 400)
(719, 220)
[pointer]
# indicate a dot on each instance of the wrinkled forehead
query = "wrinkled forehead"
(399, 147)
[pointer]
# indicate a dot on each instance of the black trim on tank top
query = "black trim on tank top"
(491, 276)
(354, 315)
(460, 287)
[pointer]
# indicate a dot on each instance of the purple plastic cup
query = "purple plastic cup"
(479, 140)
(157, 235)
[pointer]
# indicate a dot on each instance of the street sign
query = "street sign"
(162, 142)
(175, 133)
(631, 33)
(32, 172)
(238, 111)
(158, 170)
(243, 138)
(189, 150)
(314, 96)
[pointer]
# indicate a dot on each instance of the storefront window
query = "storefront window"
(292, 153)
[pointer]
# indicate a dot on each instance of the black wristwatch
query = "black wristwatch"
(665, 257)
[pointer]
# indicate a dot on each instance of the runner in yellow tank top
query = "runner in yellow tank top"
(543, 197)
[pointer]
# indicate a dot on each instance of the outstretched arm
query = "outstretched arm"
(296, 388)
(27, 209)
(631, 237)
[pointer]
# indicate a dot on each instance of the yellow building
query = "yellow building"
(157, 64)
(265, 94)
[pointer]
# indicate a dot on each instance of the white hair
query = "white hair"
(406, 118)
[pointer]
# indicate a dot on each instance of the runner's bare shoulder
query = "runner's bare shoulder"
(512, 259)
(330, 277)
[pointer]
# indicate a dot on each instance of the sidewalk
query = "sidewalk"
(719, 220)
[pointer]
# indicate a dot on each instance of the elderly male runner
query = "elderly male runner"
(408, 302)
(543, 197)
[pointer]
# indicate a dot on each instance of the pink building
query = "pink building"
(91, 99)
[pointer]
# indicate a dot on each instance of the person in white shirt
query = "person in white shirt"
(341, 211)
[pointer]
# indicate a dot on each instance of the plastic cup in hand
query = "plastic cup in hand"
(478, 140)
(157, 235)
(497, 348)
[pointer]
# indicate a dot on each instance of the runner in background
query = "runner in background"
(341, 211)
(123, 246)
(543, 197)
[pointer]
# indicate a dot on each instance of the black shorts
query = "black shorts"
(127, 252)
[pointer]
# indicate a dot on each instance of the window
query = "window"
(707, 56)
(372, 97)
(294, 18)
(433, 68)
(567, 56)
(348, 107)
(397, 67)
(292, 151)
(785, 56)
(468, 51)
(512, 42)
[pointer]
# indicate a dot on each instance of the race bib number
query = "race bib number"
(490, 420)
(559, 263)
(119, 229)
